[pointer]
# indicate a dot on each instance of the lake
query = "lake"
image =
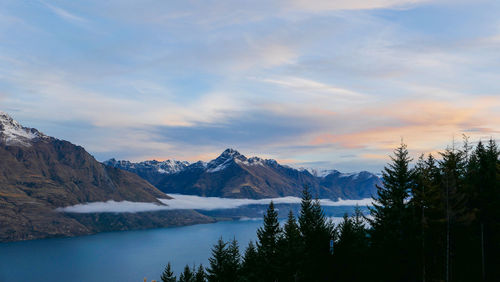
(118, 256)
(129, 255)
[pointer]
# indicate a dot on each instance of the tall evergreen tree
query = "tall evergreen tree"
(218, 262)
(490, 214)
(343, 248)
(428, 216)
(291, 247)
(168, 274)
(351, 248)
(250, 266)
(472, 231)
(453, 168)
(233, 262)
(316, 233)
(483, 194)
(200, 275)
(187, 275)
(267, 244)
(391, 233)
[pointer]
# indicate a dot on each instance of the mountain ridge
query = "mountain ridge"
(39, 174)
(234, 175)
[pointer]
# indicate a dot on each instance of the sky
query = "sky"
(333, 84)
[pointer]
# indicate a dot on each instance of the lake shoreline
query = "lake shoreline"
(112, 222)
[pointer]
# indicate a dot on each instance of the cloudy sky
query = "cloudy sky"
(319, 83)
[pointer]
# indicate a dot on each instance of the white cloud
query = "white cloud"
(313, 88)
(180, 202)
(334, 5)
(214, 203)
(112, 206)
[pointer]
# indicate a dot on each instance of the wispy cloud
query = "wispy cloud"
(335, 83)
(64, 14)
(333, 5)
(311, 87)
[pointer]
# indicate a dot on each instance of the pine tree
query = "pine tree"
(306, 213)
(483, 189)
(428, 217)
(359, 221)
(267, 244)
(187, 275)
(233, 263)
(250, 265)
(290, 246)
(390, 219)
(490, 214)
(343, 247)
(200, 275)
(435, 220)
(218, 262)
(453, 168)
(168, 274)
(351, 248)
(306, 227)
(316, 233)
(419, 204)
(470, 230)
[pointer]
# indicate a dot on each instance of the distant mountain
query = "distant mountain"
(235, 176)
(39, 173)
(150, 169)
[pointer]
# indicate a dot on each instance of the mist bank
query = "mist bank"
(190, 202)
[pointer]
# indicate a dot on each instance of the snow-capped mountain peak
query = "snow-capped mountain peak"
(13, 133)
(224, 160)
(163, 167)
(251, 161)
(230, 153)
(172, 166)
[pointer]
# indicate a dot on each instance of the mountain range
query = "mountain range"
(232, 175)
(39, 174)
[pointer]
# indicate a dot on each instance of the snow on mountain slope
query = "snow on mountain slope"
(319, 172)
(13, 133)
(224, 160)
(229, 156)
(171, 166)
(164, 167)
(220, 167)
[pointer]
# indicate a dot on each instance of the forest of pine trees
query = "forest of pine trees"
(435, 219)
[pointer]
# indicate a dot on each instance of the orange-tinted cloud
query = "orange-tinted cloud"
(424, 124)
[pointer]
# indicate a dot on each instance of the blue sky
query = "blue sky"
(327, 84)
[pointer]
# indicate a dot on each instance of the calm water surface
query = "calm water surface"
(131, 255)
(118, 256)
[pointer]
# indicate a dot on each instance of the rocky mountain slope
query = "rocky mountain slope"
(235, 176)
(39, 173)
